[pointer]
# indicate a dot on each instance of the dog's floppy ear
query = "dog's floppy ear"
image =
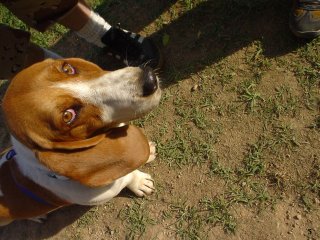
(46, 144)
(121, 151)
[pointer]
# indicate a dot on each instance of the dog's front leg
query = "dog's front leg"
(141, 183)
(153, 154)
(138, 182)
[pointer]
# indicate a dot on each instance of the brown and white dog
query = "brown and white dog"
(70, 144)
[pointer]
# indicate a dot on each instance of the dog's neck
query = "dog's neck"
(27, 161)
(67, 189)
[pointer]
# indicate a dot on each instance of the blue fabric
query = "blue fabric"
(310, 5)
(23, 189)
(10, 154)
(30, 194)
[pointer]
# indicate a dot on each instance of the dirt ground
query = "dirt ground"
(237, 131)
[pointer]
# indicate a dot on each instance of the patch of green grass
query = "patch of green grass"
(281, 103)
(6, 17)
(256, 59)
(217, 211)
(199, 118)
(77, 236)
(172, 75)
(311, 53)
(283, 136)
(88, 218)
(227, 109)
(261, 196)
(192, 130)
(183, 149)
(188, 221)
(253, 161)
(215, 168)
(309, 191)
(193, 111)
(314, 178)
(316, 123)
(250, 97)
(276, 179)
(238, 194)
(136, 218)
(191, 222)
(246, 185)
(190, 4)
(307, 70)
(223, 73)
(251, 191)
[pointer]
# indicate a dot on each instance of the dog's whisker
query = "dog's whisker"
(126, 59)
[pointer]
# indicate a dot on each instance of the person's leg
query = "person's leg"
(76, 15)
(17, 52)
(131, 48)
(305, 18)
(86, 23)
(13, 48)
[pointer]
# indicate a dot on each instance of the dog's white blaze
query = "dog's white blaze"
(117, 94)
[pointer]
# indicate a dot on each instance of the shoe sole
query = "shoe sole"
(307, 34)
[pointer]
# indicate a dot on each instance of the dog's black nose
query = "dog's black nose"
(150, 82)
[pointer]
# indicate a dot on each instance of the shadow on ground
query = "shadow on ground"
(25, 230)
(199, 37)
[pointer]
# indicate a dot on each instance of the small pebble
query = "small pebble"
(297, 217)
(195, 88)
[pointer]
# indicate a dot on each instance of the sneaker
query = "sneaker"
(305, 18)
(132, 48)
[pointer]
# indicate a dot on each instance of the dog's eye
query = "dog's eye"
(69, 116)
(68, 69)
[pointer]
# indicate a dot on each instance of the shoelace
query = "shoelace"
(310, 5)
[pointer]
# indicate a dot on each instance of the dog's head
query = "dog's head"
(69, 103)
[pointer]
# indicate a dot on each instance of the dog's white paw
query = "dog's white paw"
(153, 153)
(141, 184)
(39, 219)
